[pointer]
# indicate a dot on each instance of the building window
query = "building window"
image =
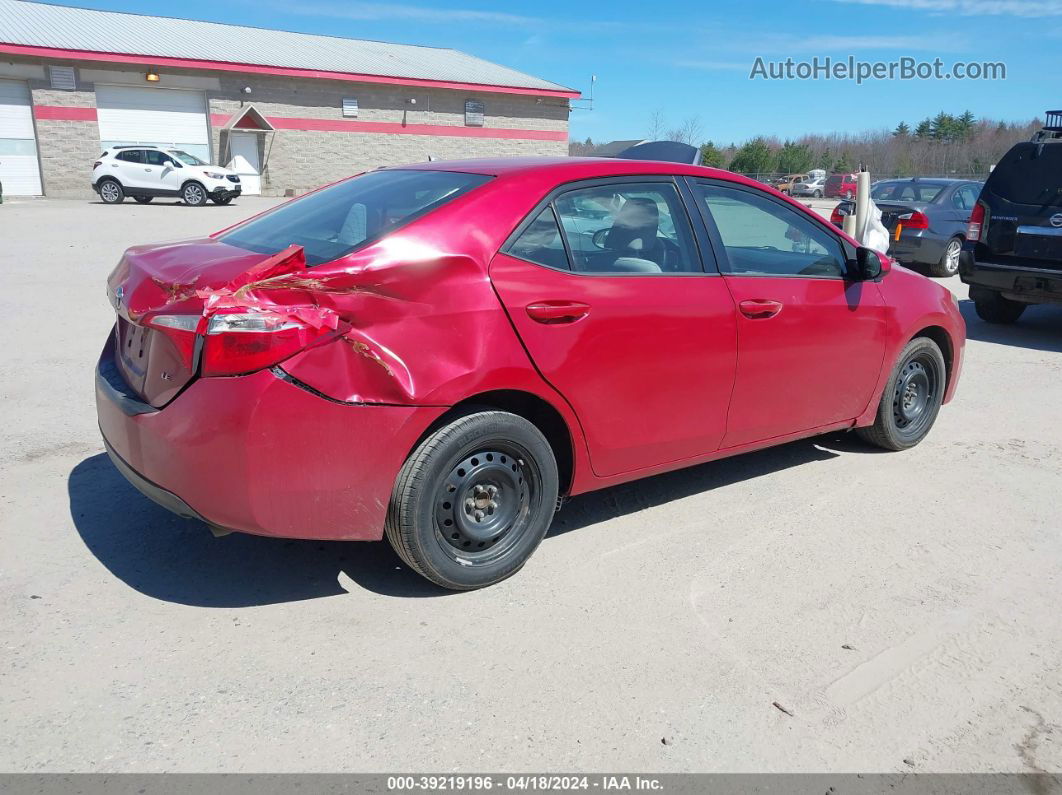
(473, 113)
(350, 107)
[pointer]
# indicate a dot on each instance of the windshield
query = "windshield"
(332, 222)
(187, 159)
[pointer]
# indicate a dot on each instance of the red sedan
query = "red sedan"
(435, 353)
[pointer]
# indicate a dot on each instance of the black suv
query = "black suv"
(1012, 255)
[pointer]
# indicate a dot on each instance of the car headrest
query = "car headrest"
(634, 226)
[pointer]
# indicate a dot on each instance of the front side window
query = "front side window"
(334, 221)
(765, 238)
(157, 158)
(628, 228)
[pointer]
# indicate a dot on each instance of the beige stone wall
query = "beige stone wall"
(299, 160)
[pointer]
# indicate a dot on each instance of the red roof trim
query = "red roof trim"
(225, 66)
(63, 113)
(397, 128)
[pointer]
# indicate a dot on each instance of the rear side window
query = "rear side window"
(541, 242)
(964, 198)
(332, 222)
(1029, 174)
(131, 155)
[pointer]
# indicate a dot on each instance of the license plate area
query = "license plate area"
(132, 345)
(1038, 242)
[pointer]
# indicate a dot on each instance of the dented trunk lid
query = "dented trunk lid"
(165, 280)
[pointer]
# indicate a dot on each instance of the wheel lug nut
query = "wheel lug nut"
(479, 516)
(492, 490)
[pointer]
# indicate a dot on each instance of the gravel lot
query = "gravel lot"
(903, 607)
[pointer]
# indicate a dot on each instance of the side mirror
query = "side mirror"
(176, 164)
(871, 265)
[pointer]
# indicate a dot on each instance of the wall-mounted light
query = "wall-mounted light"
(246, 89)
(412, 100)
(152, 76)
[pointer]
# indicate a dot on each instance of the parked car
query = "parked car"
(926, 219)
(1012, 255)
(426, 352)
(840, 186)
(786, 183)
(145, 172)
(811, 187)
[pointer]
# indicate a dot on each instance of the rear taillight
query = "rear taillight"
(245, 342)
(914, 220)
(837, 217)
(976, 222)
(180, 329)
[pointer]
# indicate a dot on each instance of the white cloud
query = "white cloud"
(1017, 8)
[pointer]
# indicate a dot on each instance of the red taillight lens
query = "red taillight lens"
(837, 217)
(181, 331)
(245, 342)
(914, 220)
(976, 222)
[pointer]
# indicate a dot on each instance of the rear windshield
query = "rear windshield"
(334, 221)
(1025, 176)
(908, 191)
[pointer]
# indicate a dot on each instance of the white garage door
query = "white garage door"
(159, 116)
(19, 171)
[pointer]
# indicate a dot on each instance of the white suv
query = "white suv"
(145, 172)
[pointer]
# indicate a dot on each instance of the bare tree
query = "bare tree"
(657, 124)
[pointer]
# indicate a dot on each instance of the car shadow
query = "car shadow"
(178, 560)
(1039, 327)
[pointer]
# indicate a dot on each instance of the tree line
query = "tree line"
(941, 145)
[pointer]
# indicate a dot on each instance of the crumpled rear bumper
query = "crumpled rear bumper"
(259, 454)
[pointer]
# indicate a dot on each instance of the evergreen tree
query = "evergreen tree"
(902, 130)
(712, 156)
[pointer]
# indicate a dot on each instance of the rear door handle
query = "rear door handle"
(760, 308)
(557, 311)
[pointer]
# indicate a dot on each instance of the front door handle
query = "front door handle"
(551, 312)
(760, 308)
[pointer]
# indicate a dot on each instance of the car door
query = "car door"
(959, 206)
(810, 341)
(161, 173)
(129, 168)
(624, 321)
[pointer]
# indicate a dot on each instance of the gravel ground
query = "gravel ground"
(902, 608)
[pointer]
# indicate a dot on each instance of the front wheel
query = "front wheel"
(474, 500)
(194, 194)
(912, 397)
(992, 307)
(949, 260)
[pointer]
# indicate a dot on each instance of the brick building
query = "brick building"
(290, 111)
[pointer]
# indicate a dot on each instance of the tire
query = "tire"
(143, 199)
(992, 307)
(222, 202)
(111, 191)
(912, 397)
(949, 260)
(817, 194)
(474, 500)
(194, 194)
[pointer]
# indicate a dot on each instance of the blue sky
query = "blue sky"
(692, 59)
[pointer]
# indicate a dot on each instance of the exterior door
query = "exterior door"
(20, 171)
(167, 117)
(243, 149)
(130, 166)
(620, 317)
(810, 341)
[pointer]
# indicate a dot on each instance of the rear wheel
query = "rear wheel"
(949, 260)
(143, 199)
(111, 192)
(994, 308)
(817, 194)
(194, 194)
(474, 500)
(912, 397)
(848, 195)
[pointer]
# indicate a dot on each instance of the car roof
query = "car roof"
(568, 167)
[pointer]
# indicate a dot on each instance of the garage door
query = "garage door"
(159, 116)
(19, 171)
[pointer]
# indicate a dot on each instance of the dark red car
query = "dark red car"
(437, 352)
(840, 186)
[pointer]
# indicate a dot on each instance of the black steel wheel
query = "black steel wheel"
(912, 397)
(474, 500)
